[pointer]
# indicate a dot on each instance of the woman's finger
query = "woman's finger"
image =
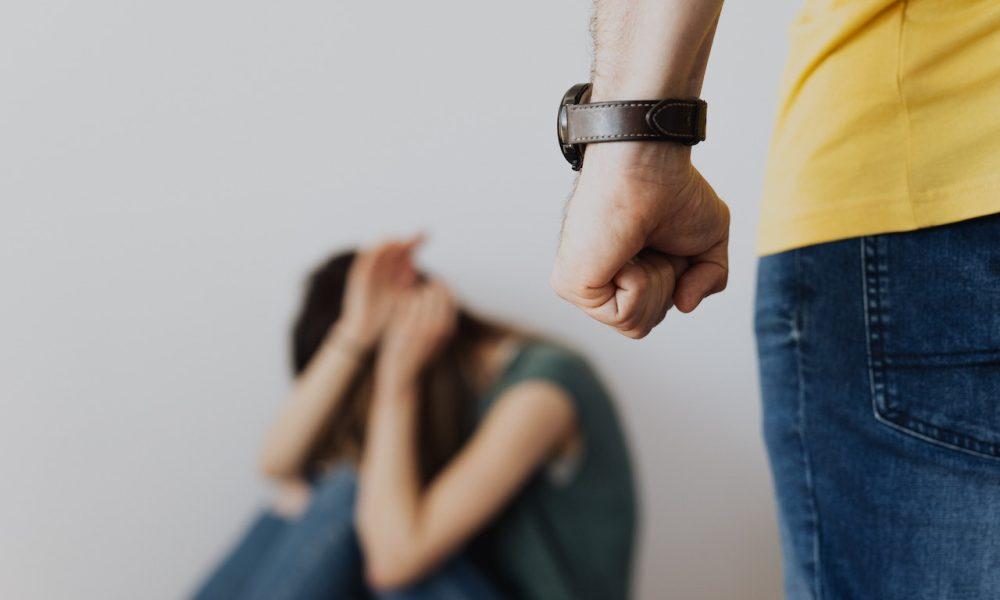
(360, 267)
(414, 241)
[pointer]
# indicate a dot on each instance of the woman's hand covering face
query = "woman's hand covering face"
(424, 320)
(377, 280)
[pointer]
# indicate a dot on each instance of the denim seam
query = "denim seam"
(798, 323)
(868, 334)
(872, 288)
(944, 359)
(913, 426)
(885, 410)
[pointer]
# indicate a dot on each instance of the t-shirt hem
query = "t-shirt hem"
(940, 207)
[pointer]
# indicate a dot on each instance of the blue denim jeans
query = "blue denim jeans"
(880, 369)
(317, 557)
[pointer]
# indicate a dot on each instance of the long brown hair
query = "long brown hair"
(448, 392)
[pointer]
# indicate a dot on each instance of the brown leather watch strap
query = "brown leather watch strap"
(673, 120)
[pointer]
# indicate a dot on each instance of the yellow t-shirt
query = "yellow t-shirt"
(889, 120)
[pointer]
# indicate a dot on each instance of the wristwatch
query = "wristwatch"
(580, 122)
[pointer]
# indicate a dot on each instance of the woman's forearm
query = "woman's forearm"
(308, 410)
(390, 489)
(406, 528)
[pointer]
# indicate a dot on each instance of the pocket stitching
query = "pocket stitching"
(874, 280)
(944, 359)
(874, 334)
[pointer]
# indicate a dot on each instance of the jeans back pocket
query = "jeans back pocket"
(932, 301)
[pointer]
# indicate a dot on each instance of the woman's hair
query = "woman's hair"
(447, 390)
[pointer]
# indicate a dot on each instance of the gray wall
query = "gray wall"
(169, 170)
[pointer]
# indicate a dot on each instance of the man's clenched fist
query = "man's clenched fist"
(643, 232)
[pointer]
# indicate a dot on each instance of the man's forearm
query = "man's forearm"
(644, 231)
(647, 49)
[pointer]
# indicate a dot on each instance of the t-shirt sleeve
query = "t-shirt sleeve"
(558, 366)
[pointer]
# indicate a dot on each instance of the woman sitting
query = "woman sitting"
(427, 453)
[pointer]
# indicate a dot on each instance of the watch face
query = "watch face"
(563, 122)
(572, 152)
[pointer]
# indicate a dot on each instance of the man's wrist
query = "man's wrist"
(638, 88)
(662, 158)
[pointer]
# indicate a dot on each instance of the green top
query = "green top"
(569, 533)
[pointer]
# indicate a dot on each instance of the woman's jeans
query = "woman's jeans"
(317, 557)
(880, 367)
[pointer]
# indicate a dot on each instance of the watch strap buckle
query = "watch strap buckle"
(683, 121)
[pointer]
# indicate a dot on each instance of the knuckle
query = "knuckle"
(559, 283)
(630, 321)
(635, 334)
(641, 281)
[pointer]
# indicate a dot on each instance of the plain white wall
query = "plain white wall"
(170, 170)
